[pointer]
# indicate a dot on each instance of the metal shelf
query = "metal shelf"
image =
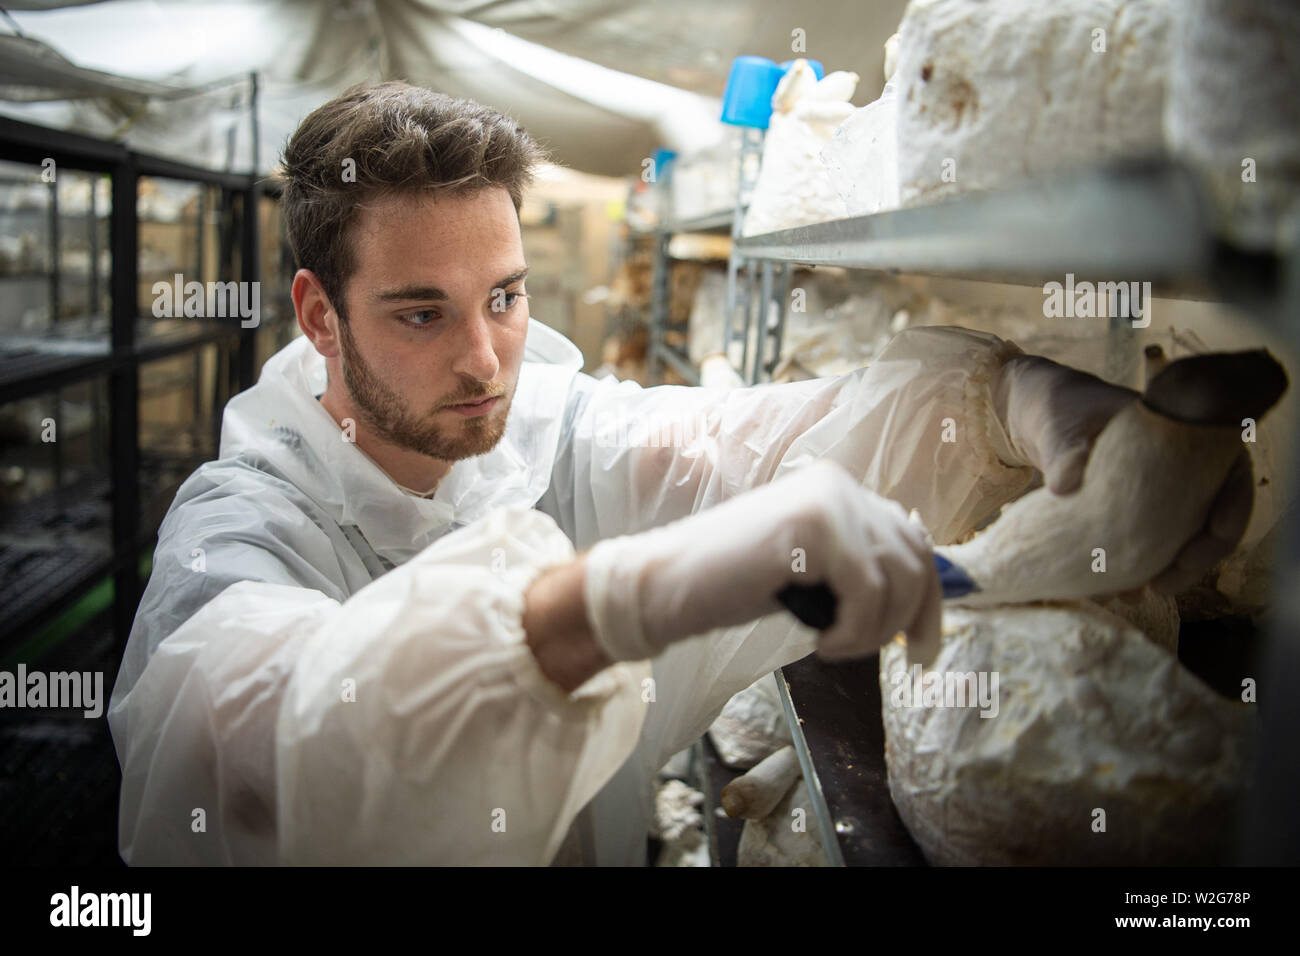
(44, 213)
(711, 222)
(30, 371)
(834, 714)
(1144, 219)
(132, 338)
(35, 367)
(36, 581)
(47, 276)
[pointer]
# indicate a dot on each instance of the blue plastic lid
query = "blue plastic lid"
(818, 70)
(663, 160)
(748, 99)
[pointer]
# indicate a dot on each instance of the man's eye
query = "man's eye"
(420, 319)
(504, 301)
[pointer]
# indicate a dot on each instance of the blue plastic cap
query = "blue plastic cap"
(818, 70)
(748, 99)
(663, 162)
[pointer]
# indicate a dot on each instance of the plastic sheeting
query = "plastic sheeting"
(603, 84)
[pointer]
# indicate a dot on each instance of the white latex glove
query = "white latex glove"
(724, 566)
(1052, 414)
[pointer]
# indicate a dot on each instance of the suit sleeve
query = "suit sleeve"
(407, 724)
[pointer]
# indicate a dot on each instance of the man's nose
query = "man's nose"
(477, 358)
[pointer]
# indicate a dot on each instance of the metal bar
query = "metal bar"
(256, 126)
(782, 312)
(208, 330)
(54, 250)
(94, 249)
(764, 311)
(249, 271)
(124, 404)
(124, 243)
(702, 780)
(226, 233)
(753, 319)
(1143, 220)
(747, 332)
(659, 290)
(729, 317)
(75, 369)
(98, 453)
(199, 237)
(220, 388)
(830, 843)
(30, 143)
(58, 445)
(148, 165)
(679, 363)
(196, 397)
(710, 222)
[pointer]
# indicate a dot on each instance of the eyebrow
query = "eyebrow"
(410, 292)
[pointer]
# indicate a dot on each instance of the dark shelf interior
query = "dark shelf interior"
(59, 777)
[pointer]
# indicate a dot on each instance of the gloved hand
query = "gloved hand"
(723, 566)
(1052, 413)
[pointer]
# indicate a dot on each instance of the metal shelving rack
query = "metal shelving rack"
(661, 354)
(742, 278)
(134, 339)
(1149, 218)
(758, 287)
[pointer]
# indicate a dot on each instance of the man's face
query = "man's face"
(435, 321)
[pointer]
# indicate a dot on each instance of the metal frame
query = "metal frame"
(741, 300)
(123, 356)
(825, 822)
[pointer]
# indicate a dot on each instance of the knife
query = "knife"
(816, 604)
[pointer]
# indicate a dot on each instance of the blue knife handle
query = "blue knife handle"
(816, 605)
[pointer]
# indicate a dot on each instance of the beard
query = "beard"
(387, 415)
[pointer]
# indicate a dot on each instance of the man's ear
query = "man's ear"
(316, 315)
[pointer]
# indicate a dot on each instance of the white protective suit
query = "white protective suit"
(327, 668)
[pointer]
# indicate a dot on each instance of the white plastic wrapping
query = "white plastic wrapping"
(861, 158)
(793, 188)
(707, 335)
(1096, 747)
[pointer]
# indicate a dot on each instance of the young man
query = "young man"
(368, 636)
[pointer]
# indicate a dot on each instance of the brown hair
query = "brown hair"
(400, 138)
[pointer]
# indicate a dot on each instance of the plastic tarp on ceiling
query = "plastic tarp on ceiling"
(602, 83)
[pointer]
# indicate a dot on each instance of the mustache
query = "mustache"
(477, 395)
